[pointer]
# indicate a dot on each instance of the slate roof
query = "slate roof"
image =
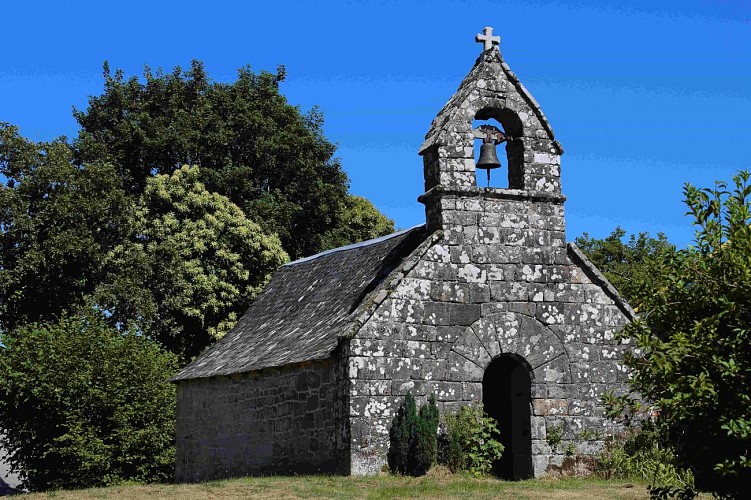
(306, 307)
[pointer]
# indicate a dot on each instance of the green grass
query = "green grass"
(380, 487)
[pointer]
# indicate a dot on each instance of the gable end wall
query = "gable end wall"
(499, 281)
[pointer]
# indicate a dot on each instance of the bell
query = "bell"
(488, 158)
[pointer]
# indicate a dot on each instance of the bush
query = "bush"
(691, 360)
(400, 435)
(413, 438)
(425, 444)
(637, 454)
(84, 405)
(468, 441)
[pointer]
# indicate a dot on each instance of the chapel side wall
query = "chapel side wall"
(501, 280)
(274, 421)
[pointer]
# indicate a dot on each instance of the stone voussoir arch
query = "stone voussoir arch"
(509, 333)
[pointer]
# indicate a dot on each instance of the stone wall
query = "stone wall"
(274, 421)
(501, 280)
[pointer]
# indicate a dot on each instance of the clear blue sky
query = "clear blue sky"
(643, 95)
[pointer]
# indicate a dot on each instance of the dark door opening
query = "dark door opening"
(507, 397)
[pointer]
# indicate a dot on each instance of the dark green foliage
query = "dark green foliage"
(401, 435)
(425, 443)
(117, 224)
(93, 222)
(694, 339)
(643, 454)
(179, 263)
(469, 440)
(665, 492)
(554, 436)
(84, 405)
(633, 267)
(413, 437)
(250, 143)
(450, 452)
(360, 221)
(57, 222)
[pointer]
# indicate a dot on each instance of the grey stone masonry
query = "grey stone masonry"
(487, 39)
(499, 280)
(311, 377)
(492, 90)
(273, 421)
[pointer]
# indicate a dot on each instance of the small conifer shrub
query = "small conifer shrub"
(425, 443)
(413, 438)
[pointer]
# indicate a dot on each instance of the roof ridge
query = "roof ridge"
(304, 309)
(353, 246)
(531, 101)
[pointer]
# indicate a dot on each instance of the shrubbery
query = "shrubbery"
(692, 362)
(469, 442)
(84, 405)
(426, 437)
(466, 441)
(414, 437)
(640, 455)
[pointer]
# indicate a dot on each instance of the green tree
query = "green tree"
(401, 436)
(633, 267)
(413, 437)
(82, 404)
(693, 357)
(360, 221)
(57, 221)
(250, 143)
(424, 451)
(179, 263)
(192, 263)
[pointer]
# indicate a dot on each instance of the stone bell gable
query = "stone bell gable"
(498, 308)
(486, 302)
(492, 90)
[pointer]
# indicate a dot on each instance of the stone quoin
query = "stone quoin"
(485, 302)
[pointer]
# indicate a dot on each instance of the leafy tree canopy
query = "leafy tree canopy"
(57, 221)
(84, 405)
(360, 221)
(179, 262)
(191, 264)
(88, 219)
(633, 266)
(693, 340)
(249, 142)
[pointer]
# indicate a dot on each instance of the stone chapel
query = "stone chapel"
(484, 302)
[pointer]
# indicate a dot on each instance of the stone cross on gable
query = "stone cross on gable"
(487, 38)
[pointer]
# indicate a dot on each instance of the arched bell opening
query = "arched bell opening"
(490, 138)
(507, 397)
(510, 127)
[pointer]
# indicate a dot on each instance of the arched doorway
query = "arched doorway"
(507, 397)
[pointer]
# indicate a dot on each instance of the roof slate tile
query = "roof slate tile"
(306, 307)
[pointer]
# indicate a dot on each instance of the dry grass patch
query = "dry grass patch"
(381, 487)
